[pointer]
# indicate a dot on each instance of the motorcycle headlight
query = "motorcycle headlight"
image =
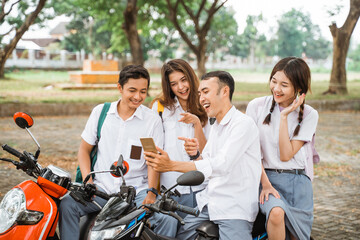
(11, 206)
(106, 233)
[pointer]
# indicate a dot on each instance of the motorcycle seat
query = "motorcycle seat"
(208, 229)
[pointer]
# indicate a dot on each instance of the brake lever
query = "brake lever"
(77, 198)
(174, 215)
(16, 163)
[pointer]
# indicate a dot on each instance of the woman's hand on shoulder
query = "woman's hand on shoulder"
(189, 118)
(266, 191)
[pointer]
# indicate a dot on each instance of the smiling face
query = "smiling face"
(282, 89)
(180, 86)
(212, 98)
(133, 93)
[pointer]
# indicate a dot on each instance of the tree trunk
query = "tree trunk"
(131, 31)
(338, 71)
(6, 51)
(2, 66)
(200, 30)
(341, 40)
(201, 57)
(201, 65)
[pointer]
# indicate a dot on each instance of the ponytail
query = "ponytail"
(300, 118)
(268, 117)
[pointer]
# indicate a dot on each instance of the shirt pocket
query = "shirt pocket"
(170, 133)
(134, 151)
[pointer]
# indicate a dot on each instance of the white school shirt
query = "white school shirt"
(258, 109)
(175, 147)
(118, 137)
(232, 164)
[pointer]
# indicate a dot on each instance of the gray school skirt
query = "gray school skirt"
(296, 199)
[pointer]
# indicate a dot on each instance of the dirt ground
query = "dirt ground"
(336, 184)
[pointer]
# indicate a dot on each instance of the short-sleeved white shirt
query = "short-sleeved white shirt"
(258, 109)
(232, 164)
(175, 147)
(118, 137)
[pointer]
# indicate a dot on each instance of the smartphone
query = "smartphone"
(148, 145)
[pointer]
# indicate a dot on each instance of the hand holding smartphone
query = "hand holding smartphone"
(148, 145)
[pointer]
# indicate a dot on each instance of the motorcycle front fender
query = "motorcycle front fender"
(36, 200)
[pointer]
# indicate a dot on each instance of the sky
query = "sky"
(273, 9)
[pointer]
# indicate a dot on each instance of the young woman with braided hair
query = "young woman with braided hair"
(287, 126)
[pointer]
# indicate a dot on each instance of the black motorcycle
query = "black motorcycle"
(120, 218)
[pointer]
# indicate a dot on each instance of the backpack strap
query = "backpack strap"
(100, 124)
(160, 109)
(93, 154)
(102, 119)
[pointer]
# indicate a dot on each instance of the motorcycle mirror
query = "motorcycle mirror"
(23, 120)
(116, 170)
(191, 178)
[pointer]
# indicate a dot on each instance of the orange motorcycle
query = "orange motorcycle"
(30, 209)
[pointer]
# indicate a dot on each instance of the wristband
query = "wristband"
(193, 157)
(153, 190)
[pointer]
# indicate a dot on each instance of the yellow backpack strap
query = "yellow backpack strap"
(160, 109)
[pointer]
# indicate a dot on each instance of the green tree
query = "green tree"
(293, 28)
(16, 19)
(85, 34)
(297, 34)
(251, 36)
(222, 33)
(133, 25)
(164, 45)
(239, 47)
(200, 15)
(117, 20)
(316, 46)
(251, 44)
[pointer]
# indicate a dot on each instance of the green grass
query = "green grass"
(32, 86)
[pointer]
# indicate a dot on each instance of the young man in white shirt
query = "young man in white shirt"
(231, 161)
(127, 121)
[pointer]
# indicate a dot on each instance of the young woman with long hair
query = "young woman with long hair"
(182, 116)
(287, 126)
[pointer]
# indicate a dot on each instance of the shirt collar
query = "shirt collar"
(228, 116)
(177, 103)
(139, 112)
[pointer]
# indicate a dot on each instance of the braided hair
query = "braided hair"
(298, 72)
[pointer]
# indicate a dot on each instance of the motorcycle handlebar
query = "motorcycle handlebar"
(188, 210)
(12, 151)
(102, 195)
(170, 206)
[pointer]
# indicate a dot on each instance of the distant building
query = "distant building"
(60, 31)
(42, 42)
